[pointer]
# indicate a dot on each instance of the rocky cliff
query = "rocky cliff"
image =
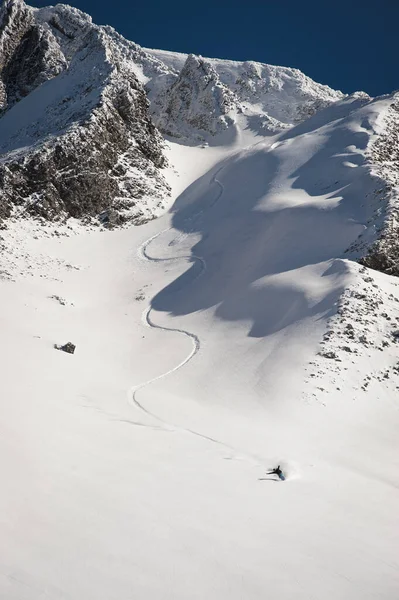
(76, 135)
(197, 101)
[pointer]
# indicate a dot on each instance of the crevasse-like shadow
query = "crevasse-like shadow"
(251, 244)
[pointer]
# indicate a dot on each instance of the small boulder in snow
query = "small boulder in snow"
(329, 354)
(68, 347)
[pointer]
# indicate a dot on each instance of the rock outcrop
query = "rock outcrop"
(29, 53)
(69, 348)
(197, 102)
(384, 158)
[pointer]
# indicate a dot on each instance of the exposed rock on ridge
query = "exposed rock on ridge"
(270, 98)
(197, 99)
(29, 54)
(384, 155)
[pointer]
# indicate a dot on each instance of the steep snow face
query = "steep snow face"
(271, 98)
(76, 138)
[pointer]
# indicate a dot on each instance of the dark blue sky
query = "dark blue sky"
(348, 44)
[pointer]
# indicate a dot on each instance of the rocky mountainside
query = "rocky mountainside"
(197, 101)
(384, 156)
(76, 135)
(81, 108)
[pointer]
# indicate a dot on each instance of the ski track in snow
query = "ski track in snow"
(196, 344)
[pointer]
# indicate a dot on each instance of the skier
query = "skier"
(277, 471)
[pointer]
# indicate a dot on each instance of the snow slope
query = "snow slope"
(231, 335)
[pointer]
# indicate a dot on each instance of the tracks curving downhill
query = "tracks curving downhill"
(147, 320)
(195, 341)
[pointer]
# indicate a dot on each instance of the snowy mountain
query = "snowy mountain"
(254, 324)
(70, 87)
(270, 98)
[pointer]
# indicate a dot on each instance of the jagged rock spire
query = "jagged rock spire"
(197, 99)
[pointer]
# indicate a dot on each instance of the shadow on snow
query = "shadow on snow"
(251, 243)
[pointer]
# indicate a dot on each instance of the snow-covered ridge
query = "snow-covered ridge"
(270, 98)
(81, 107)
(70, 88)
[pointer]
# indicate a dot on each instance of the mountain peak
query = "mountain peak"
(270, 98)
(68, 84)
(197, 99)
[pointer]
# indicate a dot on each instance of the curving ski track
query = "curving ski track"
(196, 344)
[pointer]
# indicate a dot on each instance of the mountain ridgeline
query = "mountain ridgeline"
(78, 135)
(84, 114)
